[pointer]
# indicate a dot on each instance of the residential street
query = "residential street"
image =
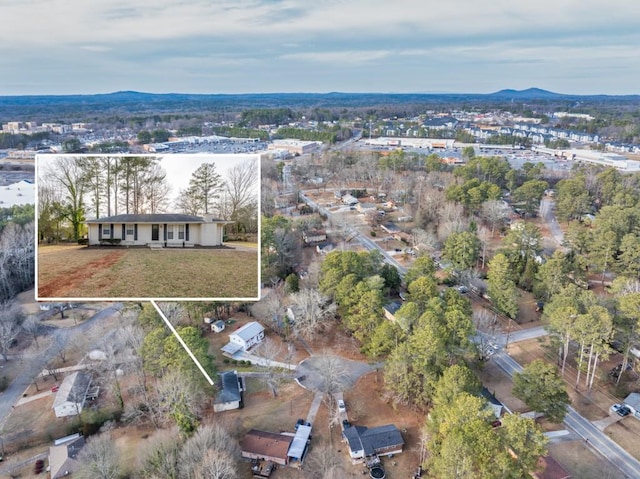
(34, 366)
(547, 208)
(596, 438)
(362, 239)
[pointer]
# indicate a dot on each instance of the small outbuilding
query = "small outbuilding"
(72, 394)
(218, 326)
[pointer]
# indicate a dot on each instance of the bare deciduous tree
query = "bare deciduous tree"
(98, 459)
(160, 458)
(268, 351)
(198, 455)
(271, 308)
(11, 319)
(33, 327)
(311, 310)
(324, 462)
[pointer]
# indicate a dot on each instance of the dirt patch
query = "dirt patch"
(64, 283)
(143, 273)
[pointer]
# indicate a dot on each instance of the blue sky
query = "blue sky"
(242, 46)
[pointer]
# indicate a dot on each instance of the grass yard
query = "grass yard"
(81, 272)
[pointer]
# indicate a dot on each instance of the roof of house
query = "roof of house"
(73, 389)
(266, 444)
(490, 397)
(151, 218)
(374, 439)
(63, 458)
(249, 330)
(633, 400)
(393, 307)
(229, 389)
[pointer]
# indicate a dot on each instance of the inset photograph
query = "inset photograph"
(127, 227)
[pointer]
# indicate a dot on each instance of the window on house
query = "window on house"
(181, 232)
(106, 231)
(129, 230)
(170, 232)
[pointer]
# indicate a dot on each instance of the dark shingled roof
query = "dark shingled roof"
(229, 390)
(157, 218)
(374, 439)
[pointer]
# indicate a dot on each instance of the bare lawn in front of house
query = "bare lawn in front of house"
(81, 272)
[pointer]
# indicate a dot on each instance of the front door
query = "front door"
(155, 232)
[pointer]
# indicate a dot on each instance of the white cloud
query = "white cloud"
(110, 42)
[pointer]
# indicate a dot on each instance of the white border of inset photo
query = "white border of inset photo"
(179, 169)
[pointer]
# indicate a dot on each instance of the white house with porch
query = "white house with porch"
(244, 338)
(167, 230)
(72, 394)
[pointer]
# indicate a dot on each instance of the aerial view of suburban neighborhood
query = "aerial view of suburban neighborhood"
(276, 239)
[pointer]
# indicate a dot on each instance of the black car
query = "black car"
(345, 424)
(624, 411)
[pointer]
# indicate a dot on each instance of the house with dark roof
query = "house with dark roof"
(492, 402)
(268, 446)
(379, 441)
(229, 392)
(63, 456)
(156, 230)
(72, 394)
(390, 310)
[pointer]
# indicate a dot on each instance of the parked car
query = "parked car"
(462, 289)
(341, 406)
(621, 410)
(38, 467)
(345, 424)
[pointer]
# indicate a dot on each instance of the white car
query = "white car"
(341, 406)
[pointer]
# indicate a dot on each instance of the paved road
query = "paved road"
(584, 428)
(547, 210)
(34, 366)
(355, 234)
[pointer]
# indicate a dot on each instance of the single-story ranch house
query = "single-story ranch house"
(72, 394)
(268, 446)
(229, 392)
(157, 230)
(380, 441)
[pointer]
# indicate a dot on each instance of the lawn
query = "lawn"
(83, 272)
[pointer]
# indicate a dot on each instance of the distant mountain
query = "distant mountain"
(123, 104)
(528, 94)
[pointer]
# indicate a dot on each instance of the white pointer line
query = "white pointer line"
(184, 345)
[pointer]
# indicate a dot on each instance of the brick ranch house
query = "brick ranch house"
(156, 230)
